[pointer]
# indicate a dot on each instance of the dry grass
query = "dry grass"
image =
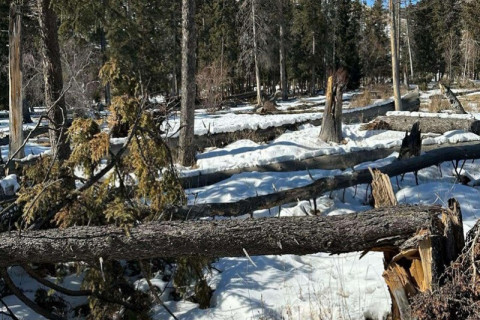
(371, 93)
(361, 100)
(471, 103)
(438, 103)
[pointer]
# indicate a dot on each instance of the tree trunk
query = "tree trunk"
(409, 48)
(52, 71)
(374, 229)
(103, 46)
(331, 130)
(394, 51)
(187, 121)
(15, 81)
(283, 65)
(255, 56)
(427, 124)
(314, 72)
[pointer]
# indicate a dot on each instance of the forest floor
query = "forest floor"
(318, 286)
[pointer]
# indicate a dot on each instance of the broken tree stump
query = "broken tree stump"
(331, 130)
(420, 263)
(382, 190)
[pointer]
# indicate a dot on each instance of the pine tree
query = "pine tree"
(347, 33)
(374, 50)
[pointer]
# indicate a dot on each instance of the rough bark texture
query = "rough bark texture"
(15, 80)
(331, 130)
(394, 51)
(452, 98)
(52, 72)
(378, 228)
(427, 124)
(283, 64)
(255, 55)
(323, 185)
(189, 44)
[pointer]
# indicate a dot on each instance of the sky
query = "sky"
(370, 2)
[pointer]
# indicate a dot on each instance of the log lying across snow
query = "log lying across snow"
(326, 162)
(429, 122)
(374, 229)
(323, 185)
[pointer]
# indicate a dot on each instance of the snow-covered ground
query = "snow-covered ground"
(317, 286)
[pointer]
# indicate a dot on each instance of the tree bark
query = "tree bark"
(314, 71)
(320, 186)
(15, 81)
(331, 130)
(452, 98)
(255, 55)
(374, 229)
(52, 71)
(427, 124)
(394, 51)
(187, 121)
(283, 65)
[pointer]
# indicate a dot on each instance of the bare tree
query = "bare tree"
(254, 32)
(283, 67)
(394, 49)
(15, 80)
(187, 121)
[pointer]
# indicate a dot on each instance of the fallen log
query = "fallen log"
(452, 98)
(374, 229)
(323, 185)
(325, 162)
(430, 124)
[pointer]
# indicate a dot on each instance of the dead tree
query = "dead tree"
(394, 51)
(377, 228)
(186, 154)
(412, 143)
(15, 80)
(331, 130)
(452, 98)
(426, 124)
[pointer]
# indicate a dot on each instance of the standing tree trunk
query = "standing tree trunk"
(15, 80)
(255, 55)
(394, 49)
(331, 130)
(408, 45)
(314, 74)
(52, 72)
(189, 45)
(283, 68)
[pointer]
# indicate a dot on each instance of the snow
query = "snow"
(289, 286)
(9, 184)
(304, 144)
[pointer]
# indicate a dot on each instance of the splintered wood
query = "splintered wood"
(382, 190)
